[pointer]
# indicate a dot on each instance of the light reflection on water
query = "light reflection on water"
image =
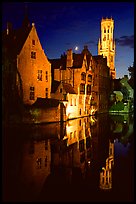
(86, 159)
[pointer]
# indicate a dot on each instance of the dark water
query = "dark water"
(86, 159)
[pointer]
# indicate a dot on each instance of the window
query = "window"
(31, 93)
(80, 111)
(82, 88)
(75, 101)
(108, 37)
(46, 92)
(33, 42)
(83, 76)
(104, 30)
(39, 78)
(60, 90)
(46, 76)
(88, 89)
(89, 78)
(80, 122)
(33, 55)
(71, 102)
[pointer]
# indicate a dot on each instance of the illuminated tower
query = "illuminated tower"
(106, 45)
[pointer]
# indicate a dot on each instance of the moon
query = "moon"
(76, 48)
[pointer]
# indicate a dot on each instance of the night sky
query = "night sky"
(64, 25)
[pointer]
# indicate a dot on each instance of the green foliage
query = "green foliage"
(117, 107)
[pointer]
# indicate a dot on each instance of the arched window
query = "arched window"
(104, 30)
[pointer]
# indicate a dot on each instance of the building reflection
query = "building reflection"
(72, 155)
(74, 150)
(35, 169)
(106, 173)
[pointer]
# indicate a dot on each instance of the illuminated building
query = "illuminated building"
(30, 66)
(75, 85)
(106, 45)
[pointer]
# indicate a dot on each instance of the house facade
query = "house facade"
(33, 70)
(73, 71)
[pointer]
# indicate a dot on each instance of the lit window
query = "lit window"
(39, 78)
(46, 76)
(33, 55)
(31, 93)
(46, 92)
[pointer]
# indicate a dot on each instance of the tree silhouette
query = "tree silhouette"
(131, 73)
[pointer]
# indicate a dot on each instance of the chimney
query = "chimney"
(69, 58)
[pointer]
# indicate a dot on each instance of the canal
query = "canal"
(85, 159)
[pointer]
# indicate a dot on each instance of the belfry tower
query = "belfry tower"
(106, 45)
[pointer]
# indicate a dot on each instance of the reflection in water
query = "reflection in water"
(71, 161)
(106, 174)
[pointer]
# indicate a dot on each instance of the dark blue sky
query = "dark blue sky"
(64, 25)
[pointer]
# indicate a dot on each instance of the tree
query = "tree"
(131, 73)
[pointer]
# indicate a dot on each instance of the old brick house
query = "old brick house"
(90, 78)
(75, 70)
(26, 70)
(32, 73)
